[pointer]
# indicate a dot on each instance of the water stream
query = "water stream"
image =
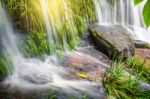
(36, 74)
(30, 74)
(124, 12)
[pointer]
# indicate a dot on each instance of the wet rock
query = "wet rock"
(87, 63)
(144, 86)
(142, 52)
(113, 40)
(141, 44)
(95, 53)
(2, 77)
(36, 79)
(143, 55)
(85, 67)
(47, 94)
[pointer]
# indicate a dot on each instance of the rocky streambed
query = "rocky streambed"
(86, 64)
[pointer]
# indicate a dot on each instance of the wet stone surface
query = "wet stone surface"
(87, 63)
(143, 52)
(108, 41)
(84, 64)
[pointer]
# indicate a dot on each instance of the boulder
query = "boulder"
(88, 62)
(113, 40)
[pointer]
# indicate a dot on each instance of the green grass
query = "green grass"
(27, 16)
(122, 80)
(139, 66)
(35, 44)
(4, 68)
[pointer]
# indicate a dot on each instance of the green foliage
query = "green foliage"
(4, 68)
(120, 83)
(28, 16)
(137, 1)
(35, 44)
(83, 13)
(146, 13)
(138, 66)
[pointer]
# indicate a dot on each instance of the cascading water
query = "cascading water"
(56, 16)
(36, 74)
(124, 12)
(8, 39)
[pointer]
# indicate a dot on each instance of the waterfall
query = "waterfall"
(124, 12)
(33, 74)
(8, 39)
(7, 35)
(56, 15)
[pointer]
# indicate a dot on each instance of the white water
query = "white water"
(29, 74)
(8, 38)
(125, 13)
(56, 14)
(36, 74)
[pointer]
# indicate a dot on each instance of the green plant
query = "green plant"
(146, 11)
(27, 15)
(69, 20)
(83, 14)
(4, 68)
(35, 44)
(120, 83)
(138, 66)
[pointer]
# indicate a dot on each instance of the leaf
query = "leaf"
(146, 13)
(83, 75)
(137, 1)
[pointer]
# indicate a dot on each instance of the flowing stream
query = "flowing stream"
(34, 74)
(124, 12)
(56, 14)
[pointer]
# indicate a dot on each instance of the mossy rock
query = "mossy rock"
(113, 40)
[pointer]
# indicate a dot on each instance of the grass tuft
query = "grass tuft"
(122, 80)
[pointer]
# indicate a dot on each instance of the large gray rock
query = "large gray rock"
(113, 40)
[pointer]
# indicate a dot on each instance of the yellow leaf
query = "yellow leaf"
(83, 75)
